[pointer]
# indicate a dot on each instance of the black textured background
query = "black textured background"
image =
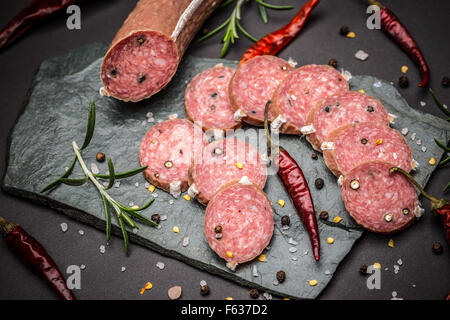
(422, 275)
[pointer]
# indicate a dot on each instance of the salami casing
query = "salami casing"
(254, 84)
(146, 51)
(300, 91)
(223, 161)
(339, 110)
(239, 223)
(378, 200)
(207, 102)
(167, 149)
(353, 144)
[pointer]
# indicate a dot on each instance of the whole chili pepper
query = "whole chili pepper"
(273, 42)
(296, 186)
(438, 206)
(34, 12)
(391, 25)
(33, 254)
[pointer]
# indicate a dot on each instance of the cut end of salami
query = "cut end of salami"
(357, 143)
(301, 90)
(139, 66)
(207, 102)
(378, 200)
(254, 84)
(342, 109)
(239, 223)
(223, 161)
(167, 149)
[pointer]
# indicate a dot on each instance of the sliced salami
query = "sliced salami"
(378, 200)
(207, 102)
(339, 110)
(254, 84)
(223, 161)
(239, 223)
(167, 149)
(301, 91)
(353, 144)
(145, 52)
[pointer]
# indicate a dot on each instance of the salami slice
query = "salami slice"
(353, 144)
(207, 102)
(301, 91)
(339, 110)
(239, 223)
(254, 84)
(145, 52)
(167, 149)
(223, 161)
(378, 200)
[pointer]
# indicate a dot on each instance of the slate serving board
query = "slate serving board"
(55, 114)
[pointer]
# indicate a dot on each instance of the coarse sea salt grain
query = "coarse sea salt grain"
(255, 271)
(136, 184)
(123, 269)
(64, 227)
(294, 258)
(203, 283)
(292, 241)
(94, 168)
(400, 262)
(135, 230)
(361, 55)
(267, 295)
(160, 265)
(405, 131)
(327, 272)
(423, 103)
(163, 218)
(102, 249)
(185, 241)
(377, 84)
(419, 142)
(424, 149)
(82, 267)
(275, 282)
(171, 201)
(413, 136)
(81, 232)
(154, 195)
(292, 249)
(117, 184)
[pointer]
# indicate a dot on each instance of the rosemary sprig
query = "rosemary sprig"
(440, 104)
(124, 213)
(445, 161)
(232, 24)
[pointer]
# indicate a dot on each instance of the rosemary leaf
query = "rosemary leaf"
(107, 217)
(141, 217)
(225, 3)
(143, 207)
(73, 182)
(441, 145)
(127, 218)
(210, 34)
(263, 13)
(57, 181)
(439, 103)
(245, 33)
(112, 174)
(122, 175)
(444, 162)
(124, 233)
(226, 44)
(272, 6)
(447, 187)
(90, 126)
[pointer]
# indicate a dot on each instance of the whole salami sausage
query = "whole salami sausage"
(353, 144)
(167, 149)
(253, 85)
(146, 51)
(379, 201)
(206, 99)
(238, 222)
(339, 110)
(300, 91)
(223, 161)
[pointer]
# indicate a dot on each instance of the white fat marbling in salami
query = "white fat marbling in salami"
(206, 99)
(167, 149)
(254, 84)
(223, 161)
(301, 90)
(146, 51)
(239, 223)
(378, 200)
(362, 142)
(342, 109)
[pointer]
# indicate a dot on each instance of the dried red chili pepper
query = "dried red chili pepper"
(438, 206)
(33, 254)
(34, 12)
(391, 25)
(273, 42)
(296, 186)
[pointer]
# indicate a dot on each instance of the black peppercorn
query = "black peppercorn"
(254, 293)
(156, 218)
(100, 157)
(363, 269)
(333, 63)
(214, 95)
(344, 30)
(327, 109)
(285, 221)
(323, 215)
(445, 82)
(281, 276)
(218, 229)
(403, 82)
(314, 156)
(437, 248)
(204, 290)
(319, 183)
(364, 141)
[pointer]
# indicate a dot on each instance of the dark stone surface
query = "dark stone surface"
(319, 42)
